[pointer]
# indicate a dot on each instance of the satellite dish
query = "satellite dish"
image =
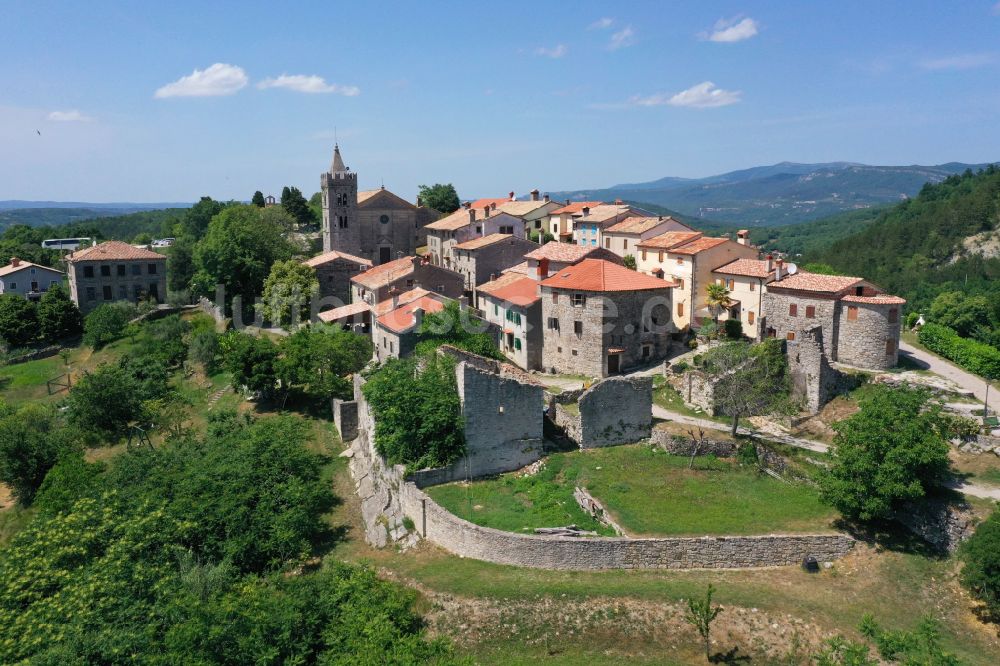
(792, 269)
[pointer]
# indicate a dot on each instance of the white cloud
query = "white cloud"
(72, 116)
(705, 95)
(219, 79)
(960, 61)
(622, 38)
(308, 84)
(731, 30)
(557, 51)
(601, 24)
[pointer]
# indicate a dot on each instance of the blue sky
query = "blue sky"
(492, 98)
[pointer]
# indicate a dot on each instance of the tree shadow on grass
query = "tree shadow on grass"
(733, 656)
(891, 536)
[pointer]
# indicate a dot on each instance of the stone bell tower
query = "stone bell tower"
(339, 188)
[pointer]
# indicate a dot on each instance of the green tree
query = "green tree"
(628, 261)
(296, 205)
(288, 293)
(964, 314)
(106, 323)
(752, 379)
(18, 320)
(700, 614)
(58, 316)
(440, 197)
(981, 557)
(105, 401)
(891, 451)
(458, 328)
(31, 442)
(251, 361)
(180, 263)
(238, 251)
(204, 349)
(258, 199)
(317, 360)
(198, 217)
(718, 299)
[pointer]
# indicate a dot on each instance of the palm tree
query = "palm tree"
(718, 299)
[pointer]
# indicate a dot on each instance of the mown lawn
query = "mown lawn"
(648, 493)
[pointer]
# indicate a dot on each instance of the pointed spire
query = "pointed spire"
(337, 166)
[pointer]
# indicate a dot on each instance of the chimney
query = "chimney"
(545, 198)
(493, 276)
(586, 211)
(418, 317)
(770, 263)
(15, 262)
(416, 261)
(486, 212)
(659, 218)
(419, 204)
(512, 197)
(534, 194)
(394, 293)
(493, 205)
(543, 268)
(778, 266)
(743, 237)
(567, 202)
(467, 205)
(618, 202)
(472, 215)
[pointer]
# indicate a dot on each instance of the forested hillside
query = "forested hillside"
(944, 239)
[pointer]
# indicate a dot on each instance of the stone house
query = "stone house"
(553, 256)
(590, 223)
(334, 270)
(624, 238)
(355, 317)
(560, 222)
(480, 258)
(534, 212)
(372, 224)
(860, 324)
(28, 280)
(601, 319)
(512, 303)
(115, 271)
(394, 333)
(374, 285)
(466, 224)
(746, 280)
(688, 258)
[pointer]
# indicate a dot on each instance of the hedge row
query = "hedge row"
(974, 356)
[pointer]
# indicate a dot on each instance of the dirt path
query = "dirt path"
(808, 444)
(966, 380)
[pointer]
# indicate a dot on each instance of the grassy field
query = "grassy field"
(648, 492)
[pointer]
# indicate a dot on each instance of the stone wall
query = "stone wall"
(684, 446)
(214, 311)
(345, 417)
(944, 525)
(778, 317)
(44, 352)
(814, 380)
(617, 410)
(862, 342)
(699, 391)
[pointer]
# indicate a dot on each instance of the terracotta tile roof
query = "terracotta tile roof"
(670, 239)
(479, 204)
(604, 212)
(561, 252)
(364, 195)
(482, 241)
(332, 255)
(401, 319)
(521, 268)
(456, 220)
(404, 298)
(699, 245)
(22, 264)
(383, 274)
(518, 208)
(746, 267)
(881, 299)
(600, 275)
(805, 281)
(519, 292)
(113, 251)
(344, 312)
(503, 280)
(638, 225)
(576, 207)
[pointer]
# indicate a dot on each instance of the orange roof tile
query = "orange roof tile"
(698, 245)
(401, 319)
(881, 299)
(600, 275)
(576, 207)
(746, 267)
(805, 281)
(332, 255)
(521, 268)
(113, 251)
(479, 204)
(638, 224)
(482, 241)
(383, 274)
(344, 312)
(561, 252)
(456, 220)
(670, 239)
(518, 292)
(402, 299)
(502, 281)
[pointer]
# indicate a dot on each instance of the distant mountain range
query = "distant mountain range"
(119, 207)
(55, 213)
(785, 193)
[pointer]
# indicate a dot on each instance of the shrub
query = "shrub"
(733, 329)
(18, 320)
(679, 368)
(974, 356)
(981, 555)
(746, 454)
(58, 316)
(911, 319)
(708, 330)
(31, 442)
(104, 401)
(204, 348)
(693, 343)
(107, 322)
(251, 362)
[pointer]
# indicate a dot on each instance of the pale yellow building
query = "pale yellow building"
(623, 238)
(746, 280)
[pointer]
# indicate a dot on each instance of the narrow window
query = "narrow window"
(607, 242)
(579, 300)
(752, 287)
(793, 311)
(732, 285)
(749, 316)
(810, 311)
(578, 327)
(893, 315)
(553, 324)
(136, 269)
(624, 243)
(890, 346)
(790, 336)
(660, 258)
(680, 309)
(644, 254)
(852, 313)
(517, 344)
(107, 292)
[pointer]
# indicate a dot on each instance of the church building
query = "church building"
(373, 224)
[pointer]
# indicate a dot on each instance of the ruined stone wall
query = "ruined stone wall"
(814, 381)
(684, 446)
(862, 342)
(345, 417)
(699, 391)
(618, 410)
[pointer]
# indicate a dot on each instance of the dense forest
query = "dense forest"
(924, 246)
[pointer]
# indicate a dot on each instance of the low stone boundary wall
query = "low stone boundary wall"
(44, 352)
(214, 311)
(683, 446)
